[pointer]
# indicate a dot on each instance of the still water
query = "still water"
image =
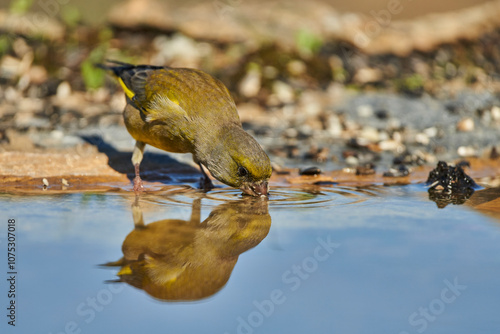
(326, 259)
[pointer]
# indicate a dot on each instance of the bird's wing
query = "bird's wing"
(149, 90)
(174, 94)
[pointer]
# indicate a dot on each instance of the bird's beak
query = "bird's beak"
(256, 189)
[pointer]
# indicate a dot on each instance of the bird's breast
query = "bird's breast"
(170, 136)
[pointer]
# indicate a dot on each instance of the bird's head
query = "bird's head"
(239, 161)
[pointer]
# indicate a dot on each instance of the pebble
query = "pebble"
(390, 145)
(284, 92)
(250, 85)
(367, 75)
(495, 113)
(465, 125)
(366, 169)
(365, 110)
(422, 138)
(370, 133)
(310, 171)
(63, 90)
(431, 132)
(400, 171)
(296, 67)
(466, 151)
(351, 161)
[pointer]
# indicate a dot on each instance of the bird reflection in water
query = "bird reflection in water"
(178, 260)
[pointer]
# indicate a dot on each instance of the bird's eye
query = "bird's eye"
(242, 171)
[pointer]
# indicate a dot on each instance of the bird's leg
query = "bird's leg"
(205, 182)
(136, 160)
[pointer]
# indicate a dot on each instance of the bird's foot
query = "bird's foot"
(138, 187)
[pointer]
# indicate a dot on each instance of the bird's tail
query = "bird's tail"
(116, 70)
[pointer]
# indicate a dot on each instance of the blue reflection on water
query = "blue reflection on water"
(395, 254)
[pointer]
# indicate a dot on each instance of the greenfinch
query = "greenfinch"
(183, 110)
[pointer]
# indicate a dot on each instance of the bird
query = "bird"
(185, 110)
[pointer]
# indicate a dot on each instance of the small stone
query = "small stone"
(367, 75)
(370, 133)
(422, 138)
(400, 171)
(366, 169)
(431, 132)
(466, 151)
(465, 125)
(296, 67)
(291, 133)
(284, 92)
(365, 110)
(382, 114)
(351, 161)
(495, 113)
(310, 171)
(63, 90)
(390, 145)
(250, 84)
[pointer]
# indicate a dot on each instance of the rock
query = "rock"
(310, 171)
(369, 133)
(466, 151)
(351, 161)
(296, 67)
(465, 125)
(422, 138)
(449, 184)
(368, 75)
(366, 169)
(63, 90)
(249, 86)
(283, 92)
(400, 171)
(365, 110)
(495, 113)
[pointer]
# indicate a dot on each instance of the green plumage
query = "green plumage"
(186, 110)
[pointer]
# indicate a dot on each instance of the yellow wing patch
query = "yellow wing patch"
(163, 107)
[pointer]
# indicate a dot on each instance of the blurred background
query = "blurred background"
(335, 83)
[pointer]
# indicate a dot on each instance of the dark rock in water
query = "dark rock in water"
(443, 199)
(310, 171)
(449, 184)
(400, 171)
(325, 183)
(366, 169)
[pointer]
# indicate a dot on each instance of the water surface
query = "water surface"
(326, 259)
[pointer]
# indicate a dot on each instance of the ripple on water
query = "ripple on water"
(286, 197)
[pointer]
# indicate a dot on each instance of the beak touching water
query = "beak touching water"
(256, 189)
